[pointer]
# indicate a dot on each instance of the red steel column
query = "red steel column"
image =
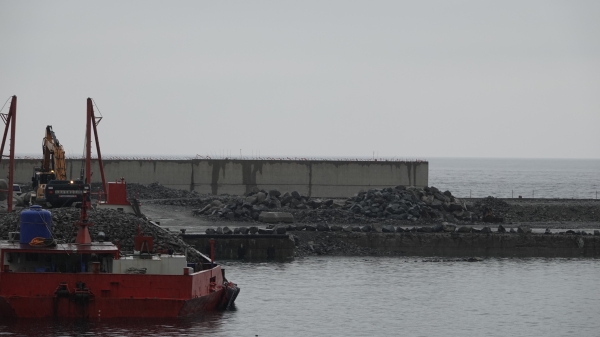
(88, 143)
(11, 161)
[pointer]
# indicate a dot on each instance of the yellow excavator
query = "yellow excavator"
(53, 171)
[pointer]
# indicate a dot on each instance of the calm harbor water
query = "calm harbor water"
(381, 296)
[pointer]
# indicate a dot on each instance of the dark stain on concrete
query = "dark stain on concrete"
(309, 179)
(217, 165)
(192, 178)
(409, 168)
(249, 170)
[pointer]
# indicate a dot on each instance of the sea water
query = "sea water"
(506, 178)
(381, 296)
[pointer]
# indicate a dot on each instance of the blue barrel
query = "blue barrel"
(35, 222)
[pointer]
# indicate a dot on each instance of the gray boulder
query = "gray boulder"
(285, 198)
(448, 228)
(253, 230)
(524, 229)
(244, 230)
(486, 230)
(300, 227)
(388, 229)
(366, 228)
(227, 230)
(210, 231)
(323, 227)
(274, 217)
(501, 229)
(260, 197)
(251, 199)
(301, 206)
(274, 193)
(465, 229)
(265, 231)
(311, 228)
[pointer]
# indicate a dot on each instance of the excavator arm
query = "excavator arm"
(54, 155)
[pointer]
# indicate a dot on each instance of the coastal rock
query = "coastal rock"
(524, 229)
(465, 229)
(323, 227)
(260, 197)
(388, 229)
(448, 228)
(274, 217)
(274, 193)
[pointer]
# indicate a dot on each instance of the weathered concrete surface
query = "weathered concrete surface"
(244, 247)
(476, 244)
(329, 179)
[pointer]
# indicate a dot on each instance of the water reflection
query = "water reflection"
(380, 296)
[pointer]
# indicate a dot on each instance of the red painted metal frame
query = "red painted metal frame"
(91, 122)
(10, 119)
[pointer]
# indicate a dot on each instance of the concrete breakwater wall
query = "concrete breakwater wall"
(326, 179)
(468, 244)
(244, 247)
(282, 247)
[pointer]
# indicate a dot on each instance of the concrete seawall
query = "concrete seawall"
(327, 179)
(477, 244)
(281, 247)
(244, 247)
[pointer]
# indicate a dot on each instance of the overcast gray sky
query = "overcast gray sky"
(408, 79)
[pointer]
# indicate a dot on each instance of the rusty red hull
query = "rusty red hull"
(110, 295)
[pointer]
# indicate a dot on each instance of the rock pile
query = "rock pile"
(157, 191)
(391, 205)
(399, 203)
(250, 206)
(492, 209)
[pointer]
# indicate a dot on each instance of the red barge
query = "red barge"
(92, 280)
(42, 278)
